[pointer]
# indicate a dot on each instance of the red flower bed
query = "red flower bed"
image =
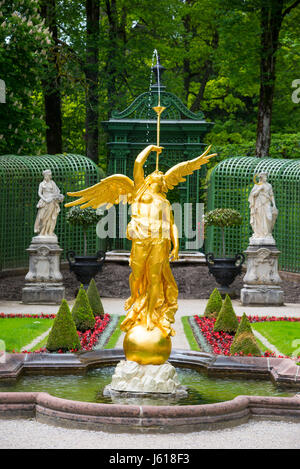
(220, 342)
(27, 315)
(88, 338)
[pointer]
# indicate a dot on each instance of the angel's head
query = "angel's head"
(156, 182)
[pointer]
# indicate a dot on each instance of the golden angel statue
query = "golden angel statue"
(153, 300)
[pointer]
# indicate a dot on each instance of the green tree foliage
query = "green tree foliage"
(226, 320)
(63, 335)
(82, 312)
(24, 41)
(212, 54)
(214, 304)
(94, 299)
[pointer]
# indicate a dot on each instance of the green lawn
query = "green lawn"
(19, 332)
(284, 335)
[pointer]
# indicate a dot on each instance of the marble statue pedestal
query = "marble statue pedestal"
(262, 280)
(133, 379)
(43, 282)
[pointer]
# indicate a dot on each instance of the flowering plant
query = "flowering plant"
(88, 339)
(220, 342)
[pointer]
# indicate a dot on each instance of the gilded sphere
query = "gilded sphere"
(147, 347)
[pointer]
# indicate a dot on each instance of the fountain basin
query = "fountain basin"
(148, 418)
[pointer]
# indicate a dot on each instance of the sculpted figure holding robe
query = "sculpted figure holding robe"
(263, 211)
(48, 206)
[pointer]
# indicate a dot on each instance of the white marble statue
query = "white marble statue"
(48, 206)
(263, 211)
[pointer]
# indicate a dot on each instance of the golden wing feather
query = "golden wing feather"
(176, 174)
(109, 191)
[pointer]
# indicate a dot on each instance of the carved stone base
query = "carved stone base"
(262, 280)
(262, 295)
(43, 293)
(130, 377)
(44, 279)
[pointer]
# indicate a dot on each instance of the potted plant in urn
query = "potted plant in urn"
(224, 269)
(87, 266)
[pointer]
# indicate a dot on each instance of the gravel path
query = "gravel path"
(28, 434)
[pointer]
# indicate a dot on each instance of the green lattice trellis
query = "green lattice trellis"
(230, 185)
(19, 179)
(182, 134)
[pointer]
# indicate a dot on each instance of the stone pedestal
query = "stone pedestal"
(262, 280)
(44, 279)
(133, 378)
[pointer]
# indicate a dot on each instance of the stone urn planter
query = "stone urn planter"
(85, 267)
(225, 270)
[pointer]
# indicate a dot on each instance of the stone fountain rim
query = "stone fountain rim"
(129, 418)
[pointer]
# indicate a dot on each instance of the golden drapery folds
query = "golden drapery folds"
(152, 304)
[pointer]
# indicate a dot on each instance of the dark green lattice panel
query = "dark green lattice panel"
(230, 185)
(20, 177)
(181, 134)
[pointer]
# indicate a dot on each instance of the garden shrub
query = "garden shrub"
(63, 335)
(245, 344)
(82, 312)
(214, 304)
(94, 299)
(226, 320)
(244, 325)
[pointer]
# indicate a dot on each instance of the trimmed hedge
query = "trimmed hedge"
(94, 299)
(244, 342)
(82, 312)
(63, 335)
(214, 304)
(226, 320)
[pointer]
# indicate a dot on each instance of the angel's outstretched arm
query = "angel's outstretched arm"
(138, 171)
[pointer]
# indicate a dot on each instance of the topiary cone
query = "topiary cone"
(63, 335)
(214, 304)
(82, 312)
(94, 299)
(226, 320)
(244, 325)
(245, 344)
(244, 341)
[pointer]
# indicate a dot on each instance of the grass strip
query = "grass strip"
(189, 334)
(115, 335)
(41, 344)
(261, 346)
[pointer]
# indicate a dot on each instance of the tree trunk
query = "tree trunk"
(271, 20)
(223, 242)
(112, 54)
(92, 78)
(51, 85)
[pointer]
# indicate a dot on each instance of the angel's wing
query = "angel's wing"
(109, 191)
(176, 174)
